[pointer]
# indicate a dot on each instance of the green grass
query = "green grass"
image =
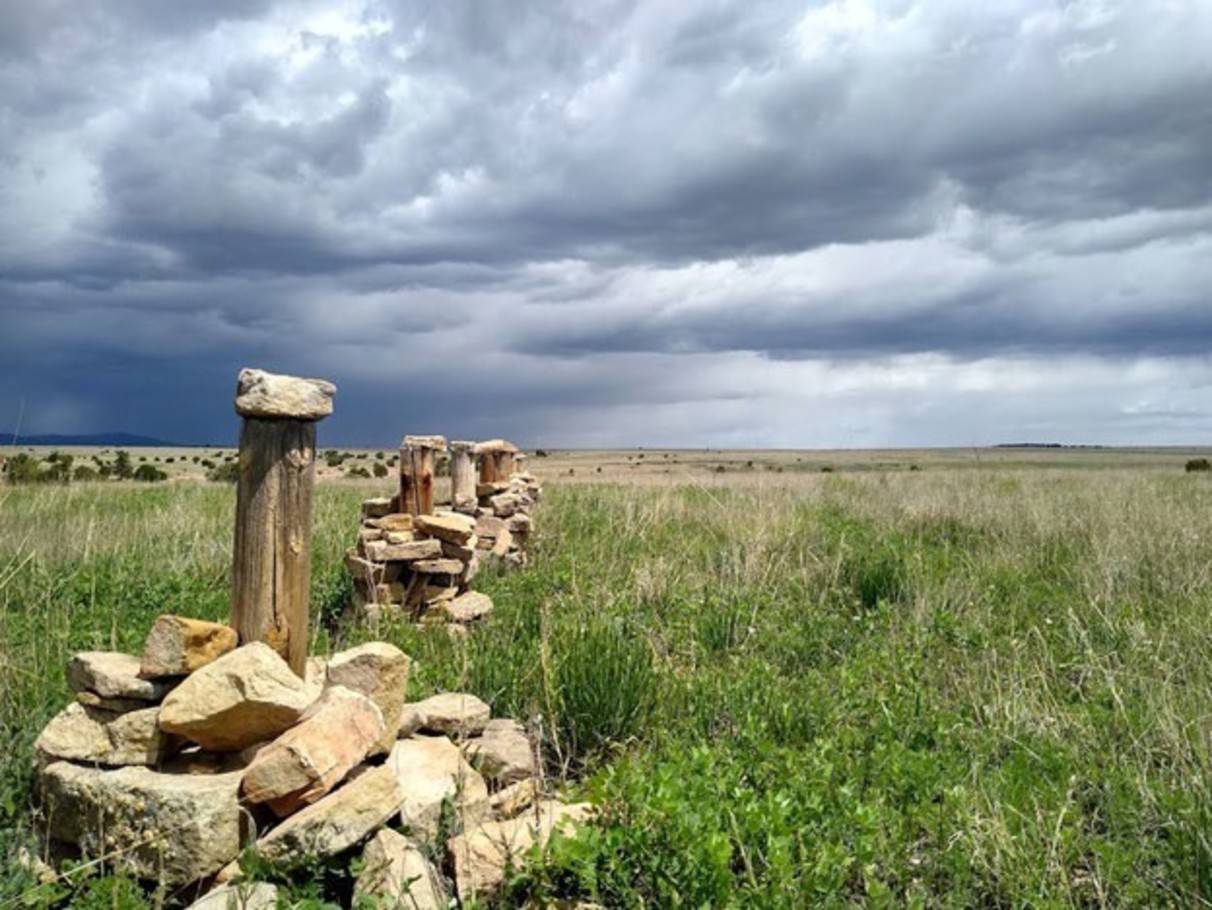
(978, 688)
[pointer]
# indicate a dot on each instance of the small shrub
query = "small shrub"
(380, 469)
(148, 474)
(228, 472)
(333, 459)
(540, 453)
(1198, 464)
(827, 469)
(84, 474)
(357, 471)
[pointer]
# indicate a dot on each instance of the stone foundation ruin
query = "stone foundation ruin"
(416, 559)
(220, 737)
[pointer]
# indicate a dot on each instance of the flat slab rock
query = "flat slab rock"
(178, 827)
(430, 769)
(247, 696)
(274, 396)
(104, 737)
(112, 674)
(468, 607)
(503, 753)
(482, 854)
(453, 713)
(339, 820)
(178, 645)
(449, 526)
(308, 760)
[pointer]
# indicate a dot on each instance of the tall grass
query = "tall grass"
(976, 688)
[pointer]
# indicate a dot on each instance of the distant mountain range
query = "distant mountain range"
(131, 440)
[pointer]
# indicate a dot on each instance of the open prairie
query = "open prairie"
(928, 678)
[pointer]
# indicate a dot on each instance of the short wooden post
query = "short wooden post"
(417, 455)
(496, 460)
(271, 559)
(462, 476)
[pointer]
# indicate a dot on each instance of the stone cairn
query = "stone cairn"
(219, 737)
(414, 558)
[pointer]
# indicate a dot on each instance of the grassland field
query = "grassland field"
(968, 678)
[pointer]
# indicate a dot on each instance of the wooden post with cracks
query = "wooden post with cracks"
(271, 559)
(417, 468)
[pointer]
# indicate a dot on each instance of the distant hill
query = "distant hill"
(91, 439)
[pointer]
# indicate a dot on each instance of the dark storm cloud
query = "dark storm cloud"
(372, 190)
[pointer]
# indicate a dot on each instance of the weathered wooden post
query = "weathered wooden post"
(496, 460)
(417, 471)
(462, 476)
(271, 561)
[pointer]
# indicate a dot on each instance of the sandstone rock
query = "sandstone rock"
(370, 573)
(398, 537)
(492, 446)
(395, 521)
(491, 489)
(171, 827)
(367, 535)
(411, 720)
(379, 671)
(339, 820)
(454, 713)
(177, 646)
(92, 735)
(113, 705)
(489, 526)
(511, 800)
(376, 507)
(382, 551)
(450, 526)
(438, 593)
(470, 571)
(503, 544)
(519, 524)
(481, 855)
(112, 675)
(241, 896)
(462, 552)
(438, 566)
(504, 504)
(246, 696)
(425, 442)
(271, 396)
(311, 758)
(468, 607)
(396, 874)
(430, 769)
(315, 678)
(503, 753)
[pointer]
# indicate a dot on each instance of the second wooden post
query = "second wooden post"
(271, 561)
(417, 469)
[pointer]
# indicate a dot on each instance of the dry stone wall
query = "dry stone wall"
(170, 763)
(414, 558)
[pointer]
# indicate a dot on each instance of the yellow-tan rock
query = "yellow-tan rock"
(502, 753)
(482, 854)
(454, 713)
(112, 674)
(105, 738)
(308, 760)
(178, 645)
(396, 874)
(449, 526)
(339, 820)
(379, 671)
(430, 769)
(247, 696)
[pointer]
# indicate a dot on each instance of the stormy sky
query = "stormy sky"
(846, 223)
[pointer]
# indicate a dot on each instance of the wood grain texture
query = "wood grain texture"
(462, 479)
(271, 568)
(416, 480)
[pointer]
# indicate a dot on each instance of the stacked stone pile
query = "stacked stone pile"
(411, 557)
(170, 763)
